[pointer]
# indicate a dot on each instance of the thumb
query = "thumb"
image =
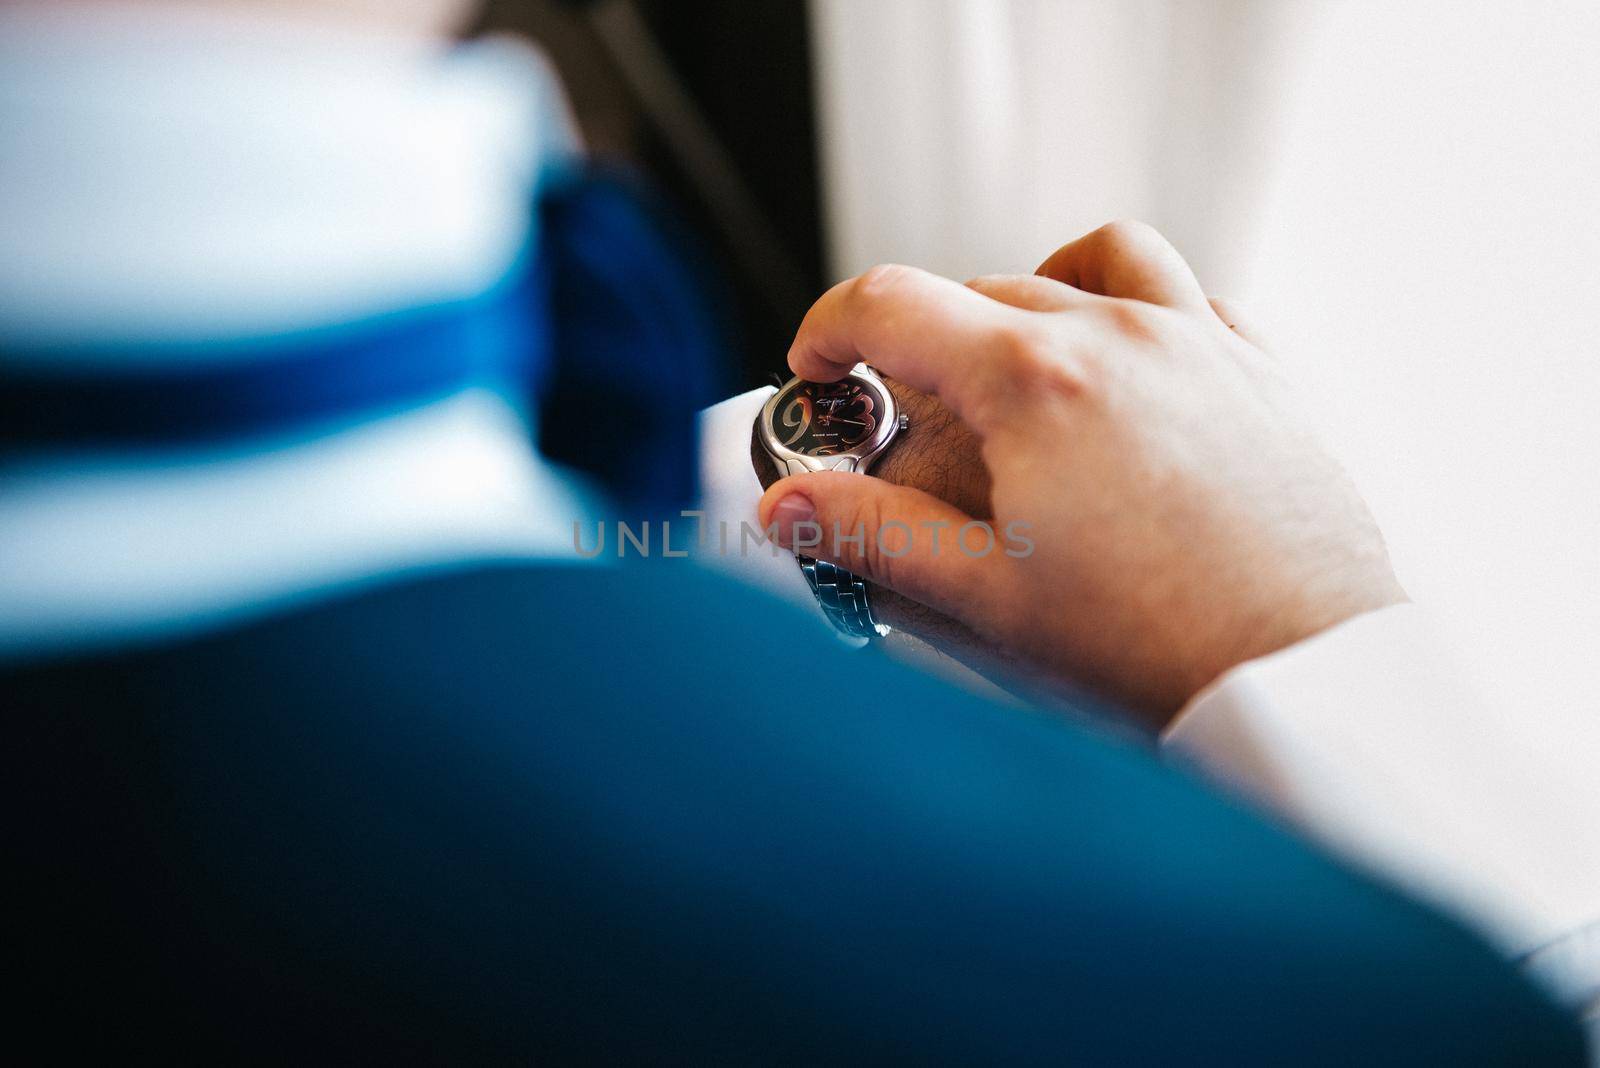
(907, 540)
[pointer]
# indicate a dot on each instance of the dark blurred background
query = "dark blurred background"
(712, 100)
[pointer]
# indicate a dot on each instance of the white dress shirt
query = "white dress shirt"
(1366, 740)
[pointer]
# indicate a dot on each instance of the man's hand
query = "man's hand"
(1183, 519)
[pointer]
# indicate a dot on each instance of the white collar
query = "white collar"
(176, 172)
(172, 175)
(103, 549)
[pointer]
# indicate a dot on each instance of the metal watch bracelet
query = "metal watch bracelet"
(843, 597)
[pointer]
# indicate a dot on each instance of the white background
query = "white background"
(1408, 195)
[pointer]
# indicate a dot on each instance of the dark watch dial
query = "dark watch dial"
(825, 418)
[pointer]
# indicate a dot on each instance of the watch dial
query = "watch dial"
(825, 418)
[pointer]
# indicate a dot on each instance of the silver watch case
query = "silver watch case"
(859, 458)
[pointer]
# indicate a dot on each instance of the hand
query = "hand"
(1183, 518)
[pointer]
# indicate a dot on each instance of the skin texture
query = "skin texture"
(1184, 520)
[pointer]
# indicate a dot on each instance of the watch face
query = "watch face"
(825, 418)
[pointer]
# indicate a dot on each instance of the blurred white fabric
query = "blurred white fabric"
(107, 106)
(129, 192)
(969, 136)
(1408, 194)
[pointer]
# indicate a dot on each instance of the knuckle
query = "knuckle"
(1062, 366)
(876, 284)
(1075, 375)
(1070, 374)
(1015, 349)
(1013, 357)
(1135, 320)
(1122, 234)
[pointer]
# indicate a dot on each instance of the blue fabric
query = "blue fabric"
(592, 815)
(273, 386)
(639, 348)
(608, 335)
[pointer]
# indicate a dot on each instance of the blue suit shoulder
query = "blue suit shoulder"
(601, 813)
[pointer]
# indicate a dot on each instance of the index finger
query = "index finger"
(934, 334)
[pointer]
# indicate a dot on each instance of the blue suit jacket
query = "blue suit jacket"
(517, 812)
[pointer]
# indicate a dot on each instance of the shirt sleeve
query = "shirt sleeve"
(1367, 739)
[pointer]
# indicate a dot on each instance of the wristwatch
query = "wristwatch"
(833, 426)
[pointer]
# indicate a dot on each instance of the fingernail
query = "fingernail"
(795, 508)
